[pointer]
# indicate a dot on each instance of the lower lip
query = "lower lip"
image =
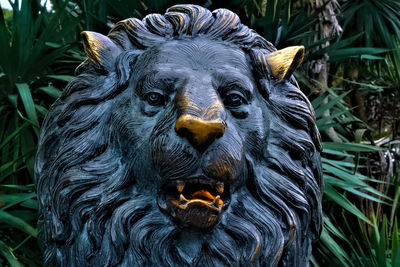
(197, 213)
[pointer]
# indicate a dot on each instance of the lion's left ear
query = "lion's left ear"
(99, 49)
(285, 61)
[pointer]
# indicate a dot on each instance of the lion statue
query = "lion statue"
(184, 140)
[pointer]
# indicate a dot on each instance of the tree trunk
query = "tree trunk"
(356, 98)
(319, 69)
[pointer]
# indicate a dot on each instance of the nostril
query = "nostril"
(199, 132)
(184, 132)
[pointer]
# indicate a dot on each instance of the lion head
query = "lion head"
(184, 140)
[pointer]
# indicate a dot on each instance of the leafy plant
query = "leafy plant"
(379, 21)
(33, 40)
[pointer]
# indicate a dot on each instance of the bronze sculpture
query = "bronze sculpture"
(184, 140)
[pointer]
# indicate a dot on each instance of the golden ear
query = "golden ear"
(99, 49)
(285, 61)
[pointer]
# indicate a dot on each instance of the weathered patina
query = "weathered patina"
(184, 140)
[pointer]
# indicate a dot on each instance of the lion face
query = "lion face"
(183, 141)
(194, 109)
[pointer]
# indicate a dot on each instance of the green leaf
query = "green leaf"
(14, 199)
(11, 172)
(316, 102)
(53, 45)
(350, 147)
(337, 153)
(12, 135)
(51, 91)
(17, 222)
(328, 125)
(320, 122)
(13, 98)
(334, 247)
(28, 187)
(370, 57)
(323, 108)
(356, 52)
(345, 203)
(7, 252)
(28, 146)
(332, 228)
(359, 134)
(395, 245)
(66, 78)
(29, 105)
(351, 187)
(341, 163)
(41, 110)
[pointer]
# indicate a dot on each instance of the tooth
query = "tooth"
(220, 187)
(216, 200)
(182, 198)
(180, 186)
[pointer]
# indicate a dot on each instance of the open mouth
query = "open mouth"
(196, 201)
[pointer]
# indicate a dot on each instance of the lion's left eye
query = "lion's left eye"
(155, 99)
(234, 100)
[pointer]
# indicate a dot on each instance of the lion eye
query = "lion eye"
(155, 99)
(234, 100)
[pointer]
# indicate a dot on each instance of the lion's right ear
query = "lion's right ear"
(100, 50)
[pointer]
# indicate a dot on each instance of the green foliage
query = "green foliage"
(344, 183)
(379, 23)
(39, 50)
(283, 23)
(33, 42)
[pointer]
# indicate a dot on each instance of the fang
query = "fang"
(220, 187)
(180, 186)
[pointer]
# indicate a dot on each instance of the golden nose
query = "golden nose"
(199, 132)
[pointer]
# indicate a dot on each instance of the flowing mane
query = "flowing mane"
(91, 212)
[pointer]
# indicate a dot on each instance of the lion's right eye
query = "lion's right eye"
(155, 99)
